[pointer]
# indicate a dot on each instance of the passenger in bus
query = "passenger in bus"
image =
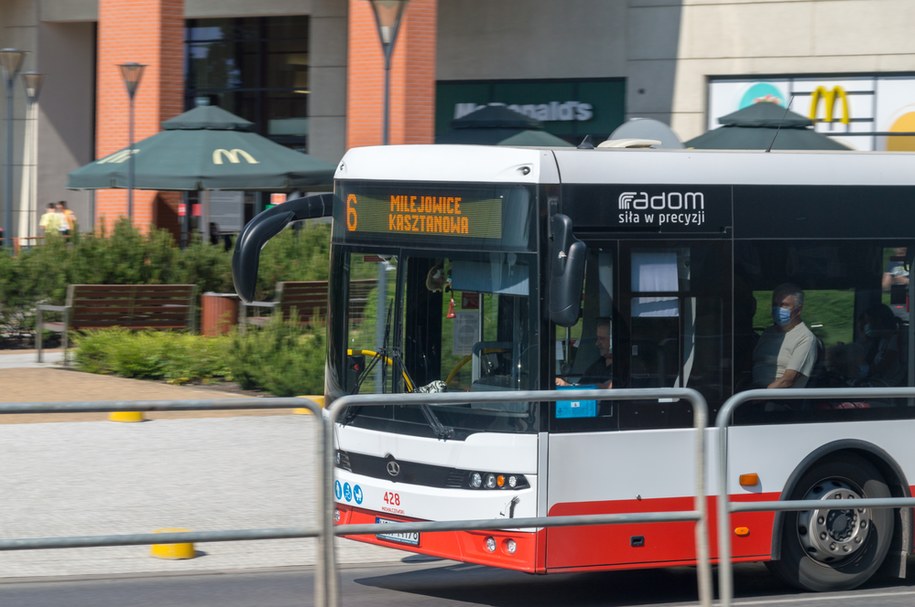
(600, 372)
(896, 272)
(786, 352)
(881, 342)
(844, 366)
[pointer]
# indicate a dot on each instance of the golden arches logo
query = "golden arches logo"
(829, 97)
(234, 156)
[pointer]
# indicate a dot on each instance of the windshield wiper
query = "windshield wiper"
(393, 354)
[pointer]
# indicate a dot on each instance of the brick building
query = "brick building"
(309, 73)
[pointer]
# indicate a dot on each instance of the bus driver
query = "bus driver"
(786, 352)
(600, 372)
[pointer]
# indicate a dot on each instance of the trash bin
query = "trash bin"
(218, 313)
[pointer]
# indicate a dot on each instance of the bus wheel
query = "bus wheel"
(830, 549)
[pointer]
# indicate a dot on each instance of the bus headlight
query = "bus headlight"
(476, 480)
(496, 480)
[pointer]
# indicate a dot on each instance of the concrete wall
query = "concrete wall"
(18, 29)
(479, 39)
(327, 80)
(785, 37)
(67, 119)
(667, 49)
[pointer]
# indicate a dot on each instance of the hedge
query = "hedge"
(41, 274)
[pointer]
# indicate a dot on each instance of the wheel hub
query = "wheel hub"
(830, 534)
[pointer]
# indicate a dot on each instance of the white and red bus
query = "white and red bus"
(494, 267)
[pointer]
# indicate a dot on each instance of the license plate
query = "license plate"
(410, 538)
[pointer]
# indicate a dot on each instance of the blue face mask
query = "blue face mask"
(781, 316)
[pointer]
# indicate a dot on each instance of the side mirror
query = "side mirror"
(567, 271)
(265, 226)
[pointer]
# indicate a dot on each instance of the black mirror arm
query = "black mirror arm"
(265, 226)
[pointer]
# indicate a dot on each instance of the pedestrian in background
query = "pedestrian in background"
(50, 220)
(67, 219)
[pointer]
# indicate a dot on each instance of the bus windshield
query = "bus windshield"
(418, 321)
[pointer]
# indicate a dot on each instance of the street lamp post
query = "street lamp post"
(131, 73)
(11, 60)
(388, 15)
(31, 83)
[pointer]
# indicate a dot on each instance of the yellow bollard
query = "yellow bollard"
(184, 550)
(319, 400)
(126, 416)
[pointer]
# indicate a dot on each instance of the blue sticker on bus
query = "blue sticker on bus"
(576, 408)
(338, 489)
(357, 494)
(347, 492)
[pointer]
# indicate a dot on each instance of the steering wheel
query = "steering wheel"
(387, 360)
(457, 368)
(468, 357)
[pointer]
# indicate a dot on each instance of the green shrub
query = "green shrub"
(301, 254)
(283, 358)
(177, 358)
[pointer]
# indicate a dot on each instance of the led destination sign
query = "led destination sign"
(424, 214)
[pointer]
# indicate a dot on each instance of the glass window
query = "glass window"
(860, 337)
(458, 323)
(256, 68)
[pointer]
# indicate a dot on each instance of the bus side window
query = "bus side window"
(656, 319)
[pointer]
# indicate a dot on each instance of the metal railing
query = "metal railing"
(233, 404)
(663, 395)
(724, 506)
(326, 573)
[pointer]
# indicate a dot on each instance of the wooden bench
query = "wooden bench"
(128, 306)
(309, 300)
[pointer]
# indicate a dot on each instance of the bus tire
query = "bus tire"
(837, 549)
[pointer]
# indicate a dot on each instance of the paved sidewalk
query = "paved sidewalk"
(28, 359)
(84, 475)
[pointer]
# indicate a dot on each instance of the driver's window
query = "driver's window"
(580, 349)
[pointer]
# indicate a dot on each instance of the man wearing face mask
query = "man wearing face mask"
(786, 352)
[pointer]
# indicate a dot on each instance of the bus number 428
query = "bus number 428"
(391, 498)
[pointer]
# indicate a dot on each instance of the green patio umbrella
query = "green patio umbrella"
(498, 125)
(206, 148)
(764, 126)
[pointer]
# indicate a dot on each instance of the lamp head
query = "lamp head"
(32, 83)
(11, 60)
(132, 73)
(388, 15)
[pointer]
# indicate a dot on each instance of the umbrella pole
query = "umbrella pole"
(185, 220)
(205, 215)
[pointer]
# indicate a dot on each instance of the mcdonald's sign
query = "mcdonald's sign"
(233, 156)
(829, 97)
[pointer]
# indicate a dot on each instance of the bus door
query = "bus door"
(674, 308)
(669, 308)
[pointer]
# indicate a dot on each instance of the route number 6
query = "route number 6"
(352, 218)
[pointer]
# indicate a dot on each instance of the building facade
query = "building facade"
(309, 73)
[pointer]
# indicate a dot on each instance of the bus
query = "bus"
(497, 268)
